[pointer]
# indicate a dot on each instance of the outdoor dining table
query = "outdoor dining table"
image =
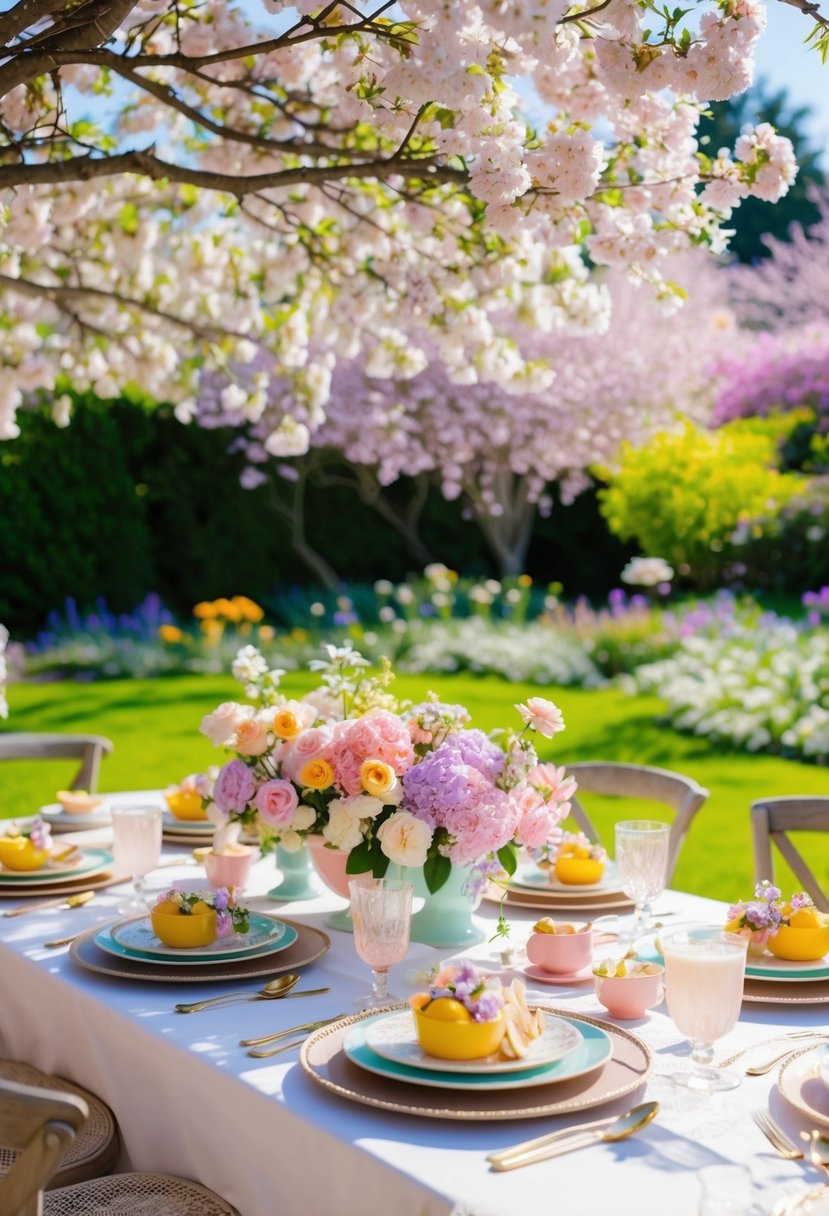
(266, 1136)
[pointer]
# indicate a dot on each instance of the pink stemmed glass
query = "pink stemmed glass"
(381, 912)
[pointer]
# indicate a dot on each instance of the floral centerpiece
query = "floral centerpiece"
(761, 919)
(381, 781)
(231, 916)
(26, 848)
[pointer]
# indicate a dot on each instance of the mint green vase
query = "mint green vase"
(297, 876)
(446, 918)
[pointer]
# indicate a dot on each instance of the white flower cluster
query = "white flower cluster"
(761, 689)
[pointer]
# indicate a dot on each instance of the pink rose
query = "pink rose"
(312, 744)
(234, 788)
(535, 827)
(251, 737)
(276, 802)
(542, 715)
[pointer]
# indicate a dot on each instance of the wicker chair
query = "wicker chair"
(42, 1125)
(771, 819)
(680, 794)
(89, 749)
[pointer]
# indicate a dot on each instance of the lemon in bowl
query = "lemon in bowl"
(579, 862)
(185, 803)
(21, 853)
(184, 931)
(446, 1029)
(804, 939)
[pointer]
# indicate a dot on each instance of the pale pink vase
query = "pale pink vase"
(329, 864)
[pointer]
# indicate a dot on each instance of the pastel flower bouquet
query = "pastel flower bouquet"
(768, 919)
(383, 782)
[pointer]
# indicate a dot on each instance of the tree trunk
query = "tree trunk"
(295, 514)
(508, 534)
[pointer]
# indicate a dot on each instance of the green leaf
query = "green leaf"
(508, 860)
(436, 871)
(359, 859)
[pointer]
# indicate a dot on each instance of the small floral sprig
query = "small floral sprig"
(595, 851)
(764, 915)
(481, 994)
(38, 831)
(231, 917)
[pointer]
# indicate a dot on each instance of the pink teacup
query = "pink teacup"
(562, 953)
(229, 869)
(628, 997)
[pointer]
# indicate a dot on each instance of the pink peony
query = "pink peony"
(378, 735)
(276, 802)
(234, 788)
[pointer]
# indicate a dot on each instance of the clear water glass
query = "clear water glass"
(642, 847)
(704, 973)
(136, 846)
(381, 913)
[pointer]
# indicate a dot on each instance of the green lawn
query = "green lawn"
(154, 726)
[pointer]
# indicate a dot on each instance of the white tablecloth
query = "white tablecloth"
(260, 1132)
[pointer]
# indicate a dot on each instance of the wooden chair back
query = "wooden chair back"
(682, 795)
(771, 820)
(41, 1123)
(89, 749)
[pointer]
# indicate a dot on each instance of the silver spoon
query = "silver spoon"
(574, 1137)
(273, 990)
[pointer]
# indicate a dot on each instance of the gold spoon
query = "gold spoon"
(273, 990)
(68, 901)
(574, 1137)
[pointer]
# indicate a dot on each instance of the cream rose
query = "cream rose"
(224, 720)
(290, 841)
(251, 738)
(303, 819)
(343, 828)
(405, 839)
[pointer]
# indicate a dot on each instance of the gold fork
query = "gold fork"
(776, 1136)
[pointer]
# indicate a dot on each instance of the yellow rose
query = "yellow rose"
(316, 775)
(286, 725)
(377, 777)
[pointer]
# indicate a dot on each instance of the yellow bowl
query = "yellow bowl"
(800, 945)
(579, 870)
(458, 1040)
(184, 932)
(185, 804)
(18, 853)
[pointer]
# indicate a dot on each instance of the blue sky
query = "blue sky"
(784, 61)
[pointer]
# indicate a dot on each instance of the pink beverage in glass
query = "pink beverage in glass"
(381, 913)
(136, 841)
(704, 971)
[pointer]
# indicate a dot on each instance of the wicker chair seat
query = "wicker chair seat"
(136, 1195)
(95, 1148)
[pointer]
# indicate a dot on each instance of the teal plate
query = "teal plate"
(594, 1050)
(261, 925)
(778, 970)
(93, 861)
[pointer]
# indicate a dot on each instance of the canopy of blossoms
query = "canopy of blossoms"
(189, 187)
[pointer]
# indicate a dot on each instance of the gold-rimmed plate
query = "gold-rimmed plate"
(85, 883)
(768, 992)
(310, 945)
(803, 1088)
(323, 1059)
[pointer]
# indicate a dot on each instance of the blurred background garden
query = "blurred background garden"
(646, 540)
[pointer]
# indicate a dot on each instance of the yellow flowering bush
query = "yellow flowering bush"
(684, 494)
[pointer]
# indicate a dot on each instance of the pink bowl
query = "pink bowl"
(628, 997)
(562, 953)
(228, 869)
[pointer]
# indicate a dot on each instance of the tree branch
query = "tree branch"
(147, 164)
(22, 15)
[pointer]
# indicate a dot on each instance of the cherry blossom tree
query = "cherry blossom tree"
(191, 186)
(500, 451)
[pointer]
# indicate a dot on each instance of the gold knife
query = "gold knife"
(283, 1034)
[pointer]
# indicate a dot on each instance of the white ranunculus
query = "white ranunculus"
(343, 828)
(304, 817)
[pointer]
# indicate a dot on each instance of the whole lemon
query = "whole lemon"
(447, 1009)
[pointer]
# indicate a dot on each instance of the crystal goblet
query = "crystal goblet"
(381, 912)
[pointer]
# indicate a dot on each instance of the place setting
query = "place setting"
(30, 861)
(467, 1047)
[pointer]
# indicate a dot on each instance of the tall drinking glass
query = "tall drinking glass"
(642, 862)
(136, 846)
(704, 970)
(381, 912)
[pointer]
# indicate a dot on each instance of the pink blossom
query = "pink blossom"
(542, 715)
(377, 735)
(312, 744)
(276, 802)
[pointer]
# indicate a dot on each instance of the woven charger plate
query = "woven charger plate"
(627, 1070)
(310, 945)
(769, 992)
(67, 886)
(553, 901)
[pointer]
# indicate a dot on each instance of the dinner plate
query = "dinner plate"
(92, 861)
(393, 1036)
(185, 826)
(626, 1071)
(105, 940)
(800, 1083)
(553, 902)
(594, 1050)
(63, 821)
(69, 886)
(531, 878)
(310, 945)
(137, 937)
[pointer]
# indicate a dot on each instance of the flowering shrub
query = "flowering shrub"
(382, 782)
